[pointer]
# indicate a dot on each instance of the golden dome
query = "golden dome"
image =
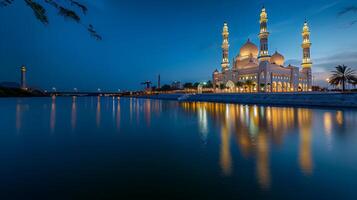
(249, 49)
(277, 58)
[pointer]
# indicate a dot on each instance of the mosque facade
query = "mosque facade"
(255, 70)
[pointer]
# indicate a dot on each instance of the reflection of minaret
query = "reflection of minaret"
(263, 36)
(263, 161)
(225, 157)
(98, 112)
(131, 110)
(18, 116)
(74, 112)
(23, 78)
(306, 60)
(328, 128)
(147, 111)
(202, 122)
(305, 157)
(225, 48)
(53, 114)
(118, 114)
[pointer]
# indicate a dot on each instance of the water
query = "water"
(105, 148)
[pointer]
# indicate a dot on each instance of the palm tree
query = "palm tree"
(341, 75)
(269, 87)
(262, 86)
(239, 84)
(222, 86)
(249, 84)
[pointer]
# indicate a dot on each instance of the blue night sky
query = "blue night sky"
(179, 39)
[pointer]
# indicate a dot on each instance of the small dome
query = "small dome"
(277, 58)
(249, 49)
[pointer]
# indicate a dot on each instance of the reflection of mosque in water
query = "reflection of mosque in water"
(253, 128)
(256, 128)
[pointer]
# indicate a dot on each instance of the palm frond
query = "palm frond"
(79, 5)
(65, 12)
(93, 32)
(39, 11)
(4, 3)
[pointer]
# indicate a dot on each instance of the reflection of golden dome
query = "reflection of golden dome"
(277, 58)
(249, 49)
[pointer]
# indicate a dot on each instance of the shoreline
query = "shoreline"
(6, 92)
(308, 99)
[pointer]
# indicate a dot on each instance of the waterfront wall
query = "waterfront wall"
(289, 99)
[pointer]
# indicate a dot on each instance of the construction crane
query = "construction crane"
(147, 83)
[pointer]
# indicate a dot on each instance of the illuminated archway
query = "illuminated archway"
(230, 86)
(284, 89)
(279, 87)
(274, 89)
(300, 87)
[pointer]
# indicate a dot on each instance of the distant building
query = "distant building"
(176, 85)
(263, 71)
(23, 78)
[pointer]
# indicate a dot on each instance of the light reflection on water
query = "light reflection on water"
(254, 126)
(74, 112)
(254, 133)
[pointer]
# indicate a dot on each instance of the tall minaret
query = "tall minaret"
(306, 59)
(306, 44)
(263, 36)
(225, 48)
(23, 78)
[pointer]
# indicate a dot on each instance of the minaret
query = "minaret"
(306, 44)
(159, 82)
(263, 36)
(306, 59)
(225, 48)
(23, 78)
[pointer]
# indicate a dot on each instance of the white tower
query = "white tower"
(306, 58)
(23, 78)
(225, 48)
(263, 36)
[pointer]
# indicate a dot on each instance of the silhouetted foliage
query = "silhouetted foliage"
(249, 84)
(239, 84)
(40, 13)
(209, 84)
(166, 87)
(222, 86)
(188, 85)
(342, 75)
(17, 92)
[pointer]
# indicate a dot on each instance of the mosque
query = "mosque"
(255, 70)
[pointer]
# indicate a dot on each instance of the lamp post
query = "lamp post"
(328, 83)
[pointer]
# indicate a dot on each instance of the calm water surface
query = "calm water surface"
(105, 148)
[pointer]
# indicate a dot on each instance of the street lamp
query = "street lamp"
(328, 83)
